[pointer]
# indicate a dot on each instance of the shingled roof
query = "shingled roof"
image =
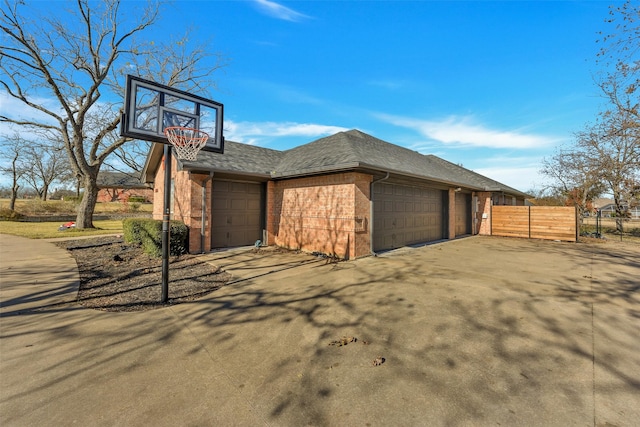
(238, 158)
(107, 179)
(350, 150)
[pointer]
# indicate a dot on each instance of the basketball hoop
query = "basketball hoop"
(187, 141)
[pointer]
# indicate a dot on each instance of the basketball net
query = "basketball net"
(187, 141)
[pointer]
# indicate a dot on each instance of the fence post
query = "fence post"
(529, 221)
(491, 217)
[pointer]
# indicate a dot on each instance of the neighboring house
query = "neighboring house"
(348, 195)
(119, 187)
(608, 208)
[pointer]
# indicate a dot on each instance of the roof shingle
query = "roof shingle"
(343, 151)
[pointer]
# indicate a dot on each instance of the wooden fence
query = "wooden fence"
(535, 222)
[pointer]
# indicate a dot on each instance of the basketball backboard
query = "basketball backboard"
(151, 107)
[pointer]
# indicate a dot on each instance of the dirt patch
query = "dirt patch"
(117, 276)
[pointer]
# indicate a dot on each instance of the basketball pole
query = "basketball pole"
(166, 217)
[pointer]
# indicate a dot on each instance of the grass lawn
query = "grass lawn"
(59, 207)
(47, 230)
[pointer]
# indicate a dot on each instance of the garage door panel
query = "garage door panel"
(236, 214)
(389, 223)
(463, 214)
(405, 214)
(252, 220)
(221, 186)
(253, 205)
(238, 187)
(238, 204)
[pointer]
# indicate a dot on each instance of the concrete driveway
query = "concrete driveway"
(478, 331)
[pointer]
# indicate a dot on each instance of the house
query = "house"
(119, 187)
(348, 195)
(607, 208)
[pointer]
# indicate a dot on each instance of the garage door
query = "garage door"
(463, 214)
(403, 215)
(236, 214)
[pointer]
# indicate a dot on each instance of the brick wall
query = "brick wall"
(123, 194)
(484, 213)
(187, 204)
(325, 213)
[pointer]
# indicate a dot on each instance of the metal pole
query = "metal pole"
(166, 217)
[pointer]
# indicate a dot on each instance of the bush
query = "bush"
(49, 207)
(148, 234)
(9, 215)
(137, 199)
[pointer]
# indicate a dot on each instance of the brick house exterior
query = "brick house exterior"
(120, 187)
(322, 213)
(347, 195)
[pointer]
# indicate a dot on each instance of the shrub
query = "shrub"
(9, 215)
(137, 199)
(49, 207)
(148, 234)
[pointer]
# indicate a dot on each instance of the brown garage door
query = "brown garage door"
(236, 213)
(463, 214)
(404, 215)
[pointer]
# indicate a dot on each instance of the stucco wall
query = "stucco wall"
(326, 213)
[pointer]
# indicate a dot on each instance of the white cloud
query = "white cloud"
(387, 84)
(464, 131)
(279, 11)
(520, 178)
(16, 109)
(255, 133)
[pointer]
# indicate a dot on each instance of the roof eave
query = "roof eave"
(195, 167)
(360, 165)
(417, 176)
(314, 171)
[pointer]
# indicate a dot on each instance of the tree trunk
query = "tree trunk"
(43, 194)
(14, 196)
(620, 213)
(14, 183)
(88, 203)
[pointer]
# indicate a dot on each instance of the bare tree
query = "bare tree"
(619, 59)
(548, 196)
(11, 149)
(77, 60)
(44, 164)
(611, 149)
(572, 176)
(605, 156)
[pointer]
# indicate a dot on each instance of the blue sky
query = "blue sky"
(494, 86)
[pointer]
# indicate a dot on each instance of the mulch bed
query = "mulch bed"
(117, 276)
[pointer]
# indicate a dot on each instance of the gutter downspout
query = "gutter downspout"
(204, 209)
(371, 212)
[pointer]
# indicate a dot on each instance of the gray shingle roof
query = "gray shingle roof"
(343, 151)
(353, 149)
(239, 158)
(107, 179)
